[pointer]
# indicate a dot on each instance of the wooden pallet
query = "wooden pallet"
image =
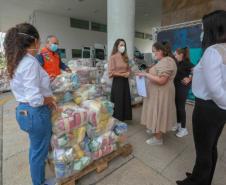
(99, 165)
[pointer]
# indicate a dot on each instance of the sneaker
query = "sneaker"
(148, 131)
(177, 127)
(154, 141)
(182, 132)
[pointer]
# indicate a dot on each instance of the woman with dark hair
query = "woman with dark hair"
(30, 85)
(182, 84)
(159, 111)
(209, 87)
(119, 71)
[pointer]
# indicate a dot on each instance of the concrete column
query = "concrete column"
(121, 22)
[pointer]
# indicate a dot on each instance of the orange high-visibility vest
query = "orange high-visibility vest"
(51, 62)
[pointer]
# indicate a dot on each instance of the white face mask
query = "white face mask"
(121, 49)
(201, 36)
(153, 56)
(36, 51)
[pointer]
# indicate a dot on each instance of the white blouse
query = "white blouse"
(209, 77)
(30, 83)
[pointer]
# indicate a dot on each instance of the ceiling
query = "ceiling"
(148, 12)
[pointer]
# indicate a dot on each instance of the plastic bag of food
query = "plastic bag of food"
(71, 138)
(79, 152)
(108, 107)
(67, 109)
(77, 135)
(67, 97)
(100, 129)
(120, 128)
(59, 141)
(65, 155)
(64, 125)
(105, 78)
(104, 151)
(65, 82)
(99, 110)
(108, 138)
(98, 119)
(81, 94)
(85, 145)
(63, 170)
(94, 109)
(70, 119)
(80, 164)
(95, 144)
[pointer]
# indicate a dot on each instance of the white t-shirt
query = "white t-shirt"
(30, 83)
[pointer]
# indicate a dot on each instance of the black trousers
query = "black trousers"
(208, 123)
(120, 96)
(180, 100)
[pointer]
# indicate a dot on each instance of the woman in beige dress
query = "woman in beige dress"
(159, 111)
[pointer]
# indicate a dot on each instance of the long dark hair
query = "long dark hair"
(186, 54)
(115, 49)
(165, 48)
(17, 40)
(214, 26)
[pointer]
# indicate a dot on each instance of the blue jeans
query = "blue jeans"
(37, 123)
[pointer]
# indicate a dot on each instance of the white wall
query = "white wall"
(73, 38)
(69, 38)
(144, 45)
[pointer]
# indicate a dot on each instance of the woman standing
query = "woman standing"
(119, 71)
(182, 84)
(30, 85)
(209, 87)
(159, 111)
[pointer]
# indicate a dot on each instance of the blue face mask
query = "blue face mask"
(54, 47)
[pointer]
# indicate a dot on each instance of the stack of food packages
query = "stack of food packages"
(4, 80)
(84, 129)
(106, 82)
(81, 62)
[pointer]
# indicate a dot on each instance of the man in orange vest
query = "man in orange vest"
(49, 58)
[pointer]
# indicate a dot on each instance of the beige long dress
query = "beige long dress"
(159, 111)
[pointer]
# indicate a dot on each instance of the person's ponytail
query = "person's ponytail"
(16, 42)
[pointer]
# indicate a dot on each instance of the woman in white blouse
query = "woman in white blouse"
(209, 87)
(30, 85)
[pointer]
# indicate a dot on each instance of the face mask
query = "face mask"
(35, 51)
(121, 49)
(201, 36)
(153, 56)
(54, 47)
